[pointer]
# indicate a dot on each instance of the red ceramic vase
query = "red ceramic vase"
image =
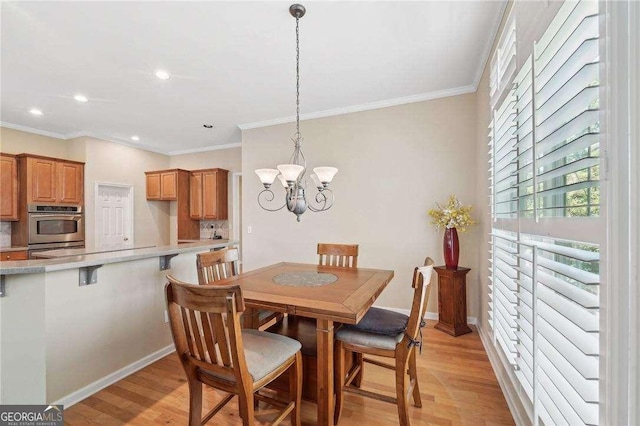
(451, 248)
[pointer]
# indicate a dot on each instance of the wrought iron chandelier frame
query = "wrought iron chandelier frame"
(295, 199)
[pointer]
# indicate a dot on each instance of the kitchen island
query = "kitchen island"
(71, 326)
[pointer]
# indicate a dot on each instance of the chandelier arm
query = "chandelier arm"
(322, 199)
(269, 196)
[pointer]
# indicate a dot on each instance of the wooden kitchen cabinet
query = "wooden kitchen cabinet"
(153, 186)
(8, 187)
(70, 182)
(209, 194)
(163, 185)
(13, 255)
(41, 173)
(50, 180)
(174, 185)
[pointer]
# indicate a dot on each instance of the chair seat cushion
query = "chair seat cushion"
(361, 338)
(265, 352)
(382, 321)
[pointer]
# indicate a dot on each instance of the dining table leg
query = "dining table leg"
(326, 399)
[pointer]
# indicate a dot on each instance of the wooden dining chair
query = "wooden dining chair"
(342, 255)
(375, 336)
(214, 350)
(217, 265)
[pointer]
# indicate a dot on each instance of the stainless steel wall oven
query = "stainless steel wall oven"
(55, 226)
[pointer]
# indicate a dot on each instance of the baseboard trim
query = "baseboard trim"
(428, 315)
(510, 395)
(98, 385)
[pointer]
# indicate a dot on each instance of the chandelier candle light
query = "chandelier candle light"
(452, 217)
(292, 175)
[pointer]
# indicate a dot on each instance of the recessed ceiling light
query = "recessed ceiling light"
(163, 75)
(135, 138)
(80, 98)
(208, 126)
(35, 111)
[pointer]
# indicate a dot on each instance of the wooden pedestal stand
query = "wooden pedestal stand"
(452, 300)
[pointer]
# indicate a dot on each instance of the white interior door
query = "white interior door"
(114, 216)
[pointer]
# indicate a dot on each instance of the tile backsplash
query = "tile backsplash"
(221, 227)
(5, 234)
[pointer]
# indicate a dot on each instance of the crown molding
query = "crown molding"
(32, 130)
(81, 134)
(363, 107)
(489, 45)
(206, 149)
(118, 141)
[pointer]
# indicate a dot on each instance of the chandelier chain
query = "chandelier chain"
(297, 77)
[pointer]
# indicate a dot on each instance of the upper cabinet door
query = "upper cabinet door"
(195, 195)
(169, 186)
(210, 195)
(43, 180)
(8, 188)
(153, 186)
(70, 183)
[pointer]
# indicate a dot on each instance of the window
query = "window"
(544, 162)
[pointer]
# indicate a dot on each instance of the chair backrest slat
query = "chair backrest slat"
(339, 255)
(205, 323)
(222, 335)
(208, 335)
(187, 329)
(217, 265)
(197, 335)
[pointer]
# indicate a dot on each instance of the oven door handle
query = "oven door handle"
(56, 216)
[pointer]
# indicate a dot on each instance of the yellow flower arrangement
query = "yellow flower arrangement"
(453, 215)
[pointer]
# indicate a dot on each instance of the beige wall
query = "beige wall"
(18, 142)
(229, 159)
(108, 162)
(104, 162)
(395, 163)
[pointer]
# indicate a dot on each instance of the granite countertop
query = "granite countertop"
(40, 266)
(218, 240)
(13, 248)
(54, 254)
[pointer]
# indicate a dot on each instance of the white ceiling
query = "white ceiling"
(232, 64)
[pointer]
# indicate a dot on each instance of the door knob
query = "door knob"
(126, 238)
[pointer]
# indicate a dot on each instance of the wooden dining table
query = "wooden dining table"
(327, 294)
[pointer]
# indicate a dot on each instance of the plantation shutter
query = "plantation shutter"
(503, 62)
(544, 161)
(567, 117)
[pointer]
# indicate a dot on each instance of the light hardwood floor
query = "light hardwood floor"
(457, 385)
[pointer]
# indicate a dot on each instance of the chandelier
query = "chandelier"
(291, 175)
